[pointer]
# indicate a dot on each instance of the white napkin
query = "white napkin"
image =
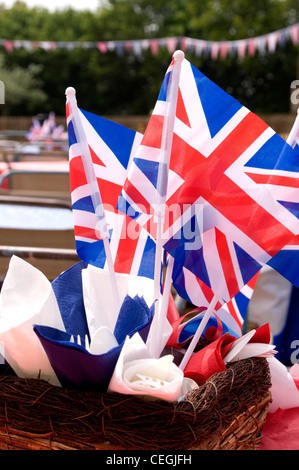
(27, 298)
(242, 349)
(102, 341)
(137, 373)
(284, 391)
(98, 295)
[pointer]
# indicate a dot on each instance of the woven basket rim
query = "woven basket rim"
(228, 411)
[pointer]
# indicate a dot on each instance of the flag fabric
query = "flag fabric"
(287, 259)
(294, 138)
(296, 142)
(112, 146)
(47, 131)
(232, 313)
(34, 132)
(232, 198)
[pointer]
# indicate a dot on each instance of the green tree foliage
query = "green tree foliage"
(110, 83)
(21, 88)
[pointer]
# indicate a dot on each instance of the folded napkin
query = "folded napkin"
(68, 290)
(26, 298)
(137, 373)
(134, 316)
(73, 364)
(80, 364)
(227, 348)
(97, 291)
(285, 386)
(209, 360)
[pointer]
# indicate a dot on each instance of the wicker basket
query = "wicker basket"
(227, 412)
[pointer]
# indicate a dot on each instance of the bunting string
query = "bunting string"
(214, 50)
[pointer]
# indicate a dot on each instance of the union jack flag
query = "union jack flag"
(34, 132)
(232, 196)
(112, 146)
(231, 313)
(286, 261)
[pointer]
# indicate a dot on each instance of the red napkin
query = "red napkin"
(209, 360)
(262, 335)
(281, 430)
(173, 340)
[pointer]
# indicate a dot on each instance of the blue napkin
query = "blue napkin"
(75, 366)
(69, 294)
(134, 315)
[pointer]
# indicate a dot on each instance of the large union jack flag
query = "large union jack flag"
(111, 146)
(232, 196)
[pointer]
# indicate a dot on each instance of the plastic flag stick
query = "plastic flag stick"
(199, 332)
(165, 301)
(294, 131)
(162, 183)
(94, 188)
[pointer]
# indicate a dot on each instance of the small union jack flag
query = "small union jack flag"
(232, 197)
(111, 146)
(192, 289)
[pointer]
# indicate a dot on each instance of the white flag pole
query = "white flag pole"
(199, 332)
(294, 130)
(164, 304)
(94, 188)
(162, 183)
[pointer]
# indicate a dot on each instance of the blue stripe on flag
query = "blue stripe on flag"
(248, 265)
(267, 156)
(125, 207)
(71, 133)
(149, 168)
(286, 263)
(293, 207)
(188, 252)
(94, 252)
(84, 204)
(242, 302)
(163, 91)
(147, 266)
(218, 106)
(107, 130)
(178, 281)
